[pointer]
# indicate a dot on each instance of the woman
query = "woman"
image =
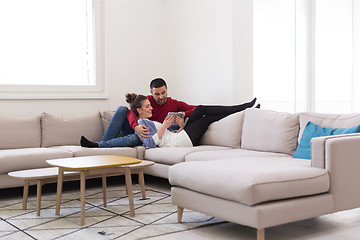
(187, 136)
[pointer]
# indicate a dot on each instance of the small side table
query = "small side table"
(40, 176)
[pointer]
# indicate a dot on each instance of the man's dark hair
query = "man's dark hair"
(157, 82)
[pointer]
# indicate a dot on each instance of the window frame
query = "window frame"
(96, 91)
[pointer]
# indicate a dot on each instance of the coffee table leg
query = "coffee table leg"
(104, 190)
(142, 183)
(129, 190)
(82, 190)
(38, 197)
(59, 190)
(25, 194)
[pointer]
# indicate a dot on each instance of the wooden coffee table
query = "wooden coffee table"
(97, 165)
(42, 176)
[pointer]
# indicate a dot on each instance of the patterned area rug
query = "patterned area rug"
(154, 216)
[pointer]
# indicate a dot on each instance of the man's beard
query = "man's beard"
(161, 102)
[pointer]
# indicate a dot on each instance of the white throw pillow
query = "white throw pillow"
(270, 131)
(225, 132)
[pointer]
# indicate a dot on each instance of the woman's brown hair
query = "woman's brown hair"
(135, 101)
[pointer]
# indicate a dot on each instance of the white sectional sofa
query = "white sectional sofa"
(243, 172)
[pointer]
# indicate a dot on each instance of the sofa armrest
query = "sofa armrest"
(318, 148)
(340, 155)
(140, 152)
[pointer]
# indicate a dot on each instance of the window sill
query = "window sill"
(11, 92)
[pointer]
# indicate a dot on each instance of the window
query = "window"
(51, 49)
(274, 53)
(319, 61)
(333, 55)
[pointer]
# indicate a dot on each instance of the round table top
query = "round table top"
(39, 173)
(93, 162)
(144, 163)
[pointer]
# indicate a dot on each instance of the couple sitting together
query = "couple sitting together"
(148, 116)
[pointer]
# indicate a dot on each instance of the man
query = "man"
(124, 120)
(162, 105)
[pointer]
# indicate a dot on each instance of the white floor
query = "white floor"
(338, 226)
(343, 225)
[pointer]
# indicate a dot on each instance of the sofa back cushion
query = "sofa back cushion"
(225, 132)
(270, 131)
(20, 132)
(328, 120)
(106, 116)
(60, 130)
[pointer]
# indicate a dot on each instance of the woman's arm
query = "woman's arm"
(148, 142)
(167, 123)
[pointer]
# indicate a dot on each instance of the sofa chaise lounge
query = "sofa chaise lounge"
(260, 184)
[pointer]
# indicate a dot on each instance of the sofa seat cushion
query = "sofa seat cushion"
(28, 158)
(79, 151)
(232, 153)
(173, 155)
(251, 181)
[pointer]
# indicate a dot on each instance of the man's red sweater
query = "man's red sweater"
(160, 112)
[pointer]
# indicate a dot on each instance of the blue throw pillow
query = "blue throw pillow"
(312, 130)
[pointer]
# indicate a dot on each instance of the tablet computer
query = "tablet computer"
(176, 114)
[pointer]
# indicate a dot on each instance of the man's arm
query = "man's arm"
(141, 130)
(132, 118)
(184, 107)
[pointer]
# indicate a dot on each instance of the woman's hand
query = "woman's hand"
(168, 121)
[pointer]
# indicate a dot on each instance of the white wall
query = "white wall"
(200, 33)
(202, 48)
(242, 50)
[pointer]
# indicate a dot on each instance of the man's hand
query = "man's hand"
(143, 131)
(180, 122)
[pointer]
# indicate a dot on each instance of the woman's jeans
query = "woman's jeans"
(119, 124)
